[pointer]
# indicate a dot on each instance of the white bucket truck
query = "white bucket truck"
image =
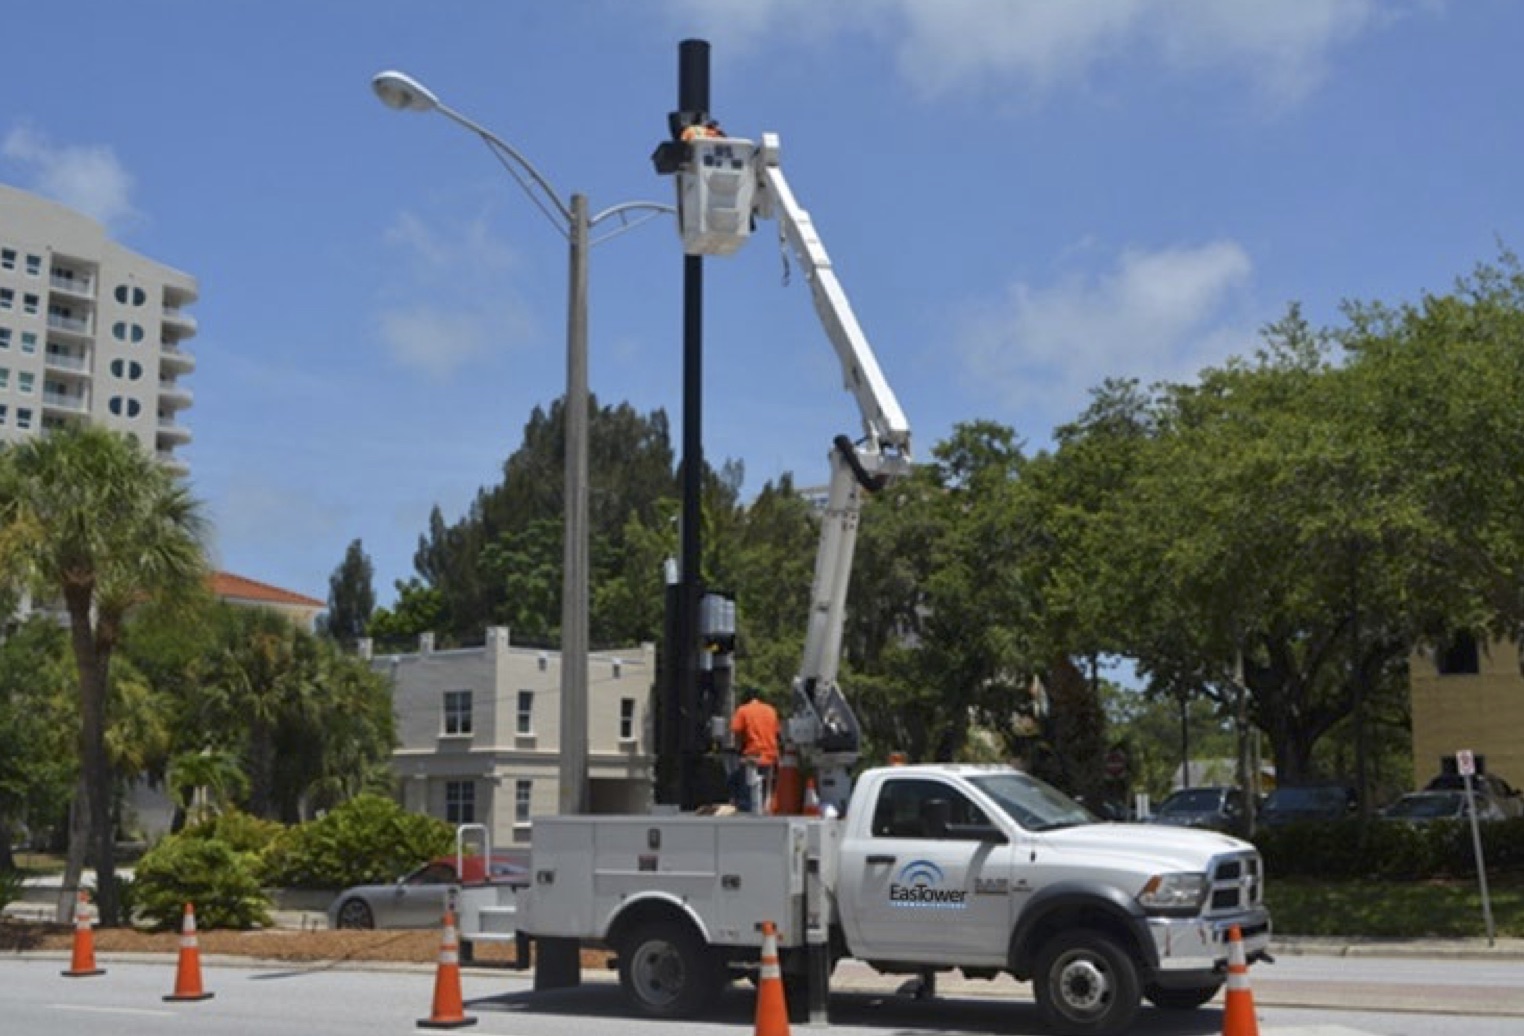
(921, 869)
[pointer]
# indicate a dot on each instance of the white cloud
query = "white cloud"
(1157, 316)
(89, 179)
(458, 273)
(960, 46)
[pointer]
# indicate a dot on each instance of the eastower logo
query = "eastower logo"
(919, 884)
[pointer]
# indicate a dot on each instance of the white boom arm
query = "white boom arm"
(719, 199)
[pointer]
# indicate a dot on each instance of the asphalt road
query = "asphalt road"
(1358, 997)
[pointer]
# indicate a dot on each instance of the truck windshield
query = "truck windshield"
(1031, 803)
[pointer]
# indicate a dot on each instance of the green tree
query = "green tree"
(38, 763)
(88, 515)
(351, 597)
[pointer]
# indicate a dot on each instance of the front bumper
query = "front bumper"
(1200, 944)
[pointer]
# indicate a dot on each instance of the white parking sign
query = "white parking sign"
(1465, 763)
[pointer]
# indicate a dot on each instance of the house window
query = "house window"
(526, 713)
(521, 792)
(627, 719)
(1460, 656)
(457, 712)
(460, 802)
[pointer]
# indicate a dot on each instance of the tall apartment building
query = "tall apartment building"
(89, 331)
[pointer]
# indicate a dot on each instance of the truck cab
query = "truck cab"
(990, 870)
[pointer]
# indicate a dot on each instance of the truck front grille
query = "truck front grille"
(1237, 883)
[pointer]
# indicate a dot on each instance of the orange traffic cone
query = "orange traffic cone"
(772, 1008)
(82, 961)
(449, 1009)
(188, 969)
(786, 790)
(811, 799)
(1238, 1016)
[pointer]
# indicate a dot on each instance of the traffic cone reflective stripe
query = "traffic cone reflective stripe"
(772, 1007)
(449, 1007)
(1238, 1016)
(811, 799)
(82, 958)
(188, 968)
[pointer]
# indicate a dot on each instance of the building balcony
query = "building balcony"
(75, 286)
(170, 434)
(174, 464)
(172, 395)
(67, 364)
(64, 403)
(175, 360)
(180, 320)
(74, 327)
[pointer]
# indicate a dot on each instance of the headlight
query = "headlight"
(1173, 893)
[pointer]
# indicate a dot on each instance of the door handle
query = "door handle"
(880, 859)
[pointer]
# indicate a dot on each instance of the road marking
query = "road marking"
(113, 1010)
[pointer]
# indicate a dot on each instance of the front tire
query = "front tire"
(665, 971)
(1086, 984)
(356, 913)
(1181, 999)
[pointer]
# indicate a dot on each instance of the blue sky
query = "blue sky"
(1021, 198)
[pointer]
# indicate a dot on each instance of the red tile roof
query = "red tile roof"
(226, 584)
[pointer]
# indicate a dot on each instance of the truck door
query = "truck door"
(913, 893)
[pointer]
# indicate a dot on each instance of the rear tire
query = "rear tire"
(1181, 999)
(1086, 984)
(666, 970)
(355, 913)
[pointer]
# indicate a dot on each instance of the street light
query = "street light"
(402, 92)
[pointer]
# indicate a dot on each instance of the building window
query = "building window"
(460, 802)
(34, 265)
(23, 417)
(627, 719)
(1460, 656)
(7, 298)
(4, 413)
(26, 381)
(525, 722)
(29, 303)
(5, 377)
(521, 792)
(29, 342)
(457, 712)
(5, 338)
(7, 258)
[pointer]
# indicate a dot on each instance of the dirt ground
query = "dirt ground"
(279, 944)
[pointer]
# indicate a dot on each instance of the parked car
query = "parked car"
(1289, 805)
(1507, 798)
(1418, 807)
(418, 898)
(1217, 807)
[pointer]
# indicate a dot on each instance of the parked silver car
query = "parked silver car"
(1419, 807)
(418, 898)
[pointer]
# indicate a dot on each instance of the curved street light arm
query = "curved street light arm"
(503, 149)
(643, 212)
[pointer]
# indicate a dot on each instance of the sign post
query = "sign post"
(1465, 765)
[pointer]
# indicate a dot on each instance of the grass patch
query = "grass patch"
(1436, 908)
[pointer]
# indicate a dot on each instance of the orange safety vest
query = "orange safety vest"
(756, 725)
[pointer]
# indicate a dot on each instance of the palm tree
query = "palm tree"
(88, 515)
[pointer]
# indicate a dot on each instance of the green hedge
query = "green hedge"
(366, 840)
(1388, 850)
(221, 882)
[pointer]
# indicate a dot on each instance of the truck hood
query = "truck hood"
(1154, 846)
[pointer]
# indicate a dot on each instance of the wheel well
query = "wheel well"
(1028, 941)
(648, 912)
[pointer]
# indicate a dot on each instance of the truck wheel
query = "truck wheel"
(665, 971)
(1086, 984)
(1180, 999)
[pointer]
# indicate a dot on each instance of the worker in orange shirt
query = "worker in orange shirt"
(755, 729)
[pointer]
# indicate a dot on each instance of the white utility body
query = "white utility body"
(925, 868)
